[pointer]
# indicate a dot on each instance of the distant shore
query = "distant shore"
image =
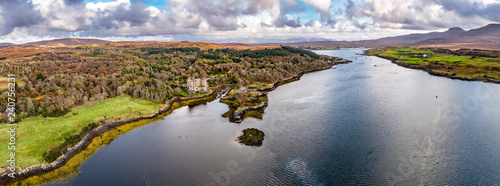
(451, 76)
(463, 64)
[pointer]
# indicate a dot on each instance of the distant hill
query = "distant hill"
(412, 38)
(18, 51)
(179, 44)
(5, 44)
(387, 41)
(67, 42)
(487, 37)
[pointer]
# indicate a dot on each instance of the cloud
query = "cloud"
(430, 14)
(17, 13)
(224, 20)
(132, 14)
(323, 8)
(464, 8)
(292, 4)
(73, 2)
(354, 11)
(223, 15)
(284, 21)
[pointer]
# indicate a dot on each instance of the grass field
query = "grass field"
(35, 135)
(182, 93)
(453, 65)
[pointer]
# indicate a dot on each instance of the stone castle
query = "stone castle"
(198, 84)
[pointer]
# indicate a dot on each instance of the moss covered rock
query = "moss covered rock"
(251, 137)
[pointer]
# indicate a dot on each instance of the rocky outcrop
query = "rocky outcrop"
(237, 116)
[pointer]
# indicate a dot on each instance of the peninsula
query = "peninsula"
(76, 93)
(464, 64)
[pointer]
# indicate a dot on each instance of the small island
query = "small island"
(251, 137)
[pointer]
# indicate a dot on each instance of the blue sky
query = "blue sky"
(237, 20)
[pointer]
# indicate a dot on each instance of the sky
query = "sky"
(248, 21)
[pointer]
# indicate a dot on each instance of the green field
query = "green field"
(35, 135)
(465, 66)
(182, 93)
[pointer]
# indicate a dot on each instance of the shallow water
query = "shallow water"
(355, 124)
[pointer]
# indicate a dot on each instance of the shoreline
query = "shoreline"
(237, 116)
(100, 131)
(450, 76)
(39, 174)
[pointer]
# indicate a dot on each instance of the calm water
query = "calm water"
(368, 122)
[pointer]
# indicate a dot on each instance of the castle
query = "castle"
(199, 84)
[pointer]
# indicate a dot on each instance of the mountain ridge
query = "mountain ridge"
(62, 42)
(486, 37)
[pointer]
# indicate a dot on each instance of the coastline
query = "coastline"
(237, 116)
(69, 162)
(92, 141)
(450, 76)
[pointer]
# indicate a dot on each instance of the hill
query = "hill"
(67, 42)
(8, 52)
(71, 42)
(183, 44)
(414, 38)
(487, 37)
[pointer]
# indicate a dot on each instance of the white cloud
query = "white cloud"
(425, 14)
(232, 20)
(320, 5)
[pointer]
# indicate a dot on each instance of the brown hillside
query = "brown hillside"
(67, 42)
(15, 51)
(487, 37)
(179, 44)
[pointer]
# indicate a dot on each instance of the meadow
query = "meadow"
(37, 134)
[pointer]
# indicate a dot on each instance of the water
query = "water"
(356, 124)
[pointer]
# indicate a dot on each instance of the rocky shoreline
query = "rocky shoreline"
(174, 104)
(237, 116)
(97, 132)
(451, 76)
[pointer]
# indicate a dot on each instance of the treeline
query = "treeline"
(300, 51)
(232, 53)
(153, 50)
(53, 83)
(261, 53)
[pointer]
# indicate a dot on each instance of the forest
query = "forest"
(53, 82)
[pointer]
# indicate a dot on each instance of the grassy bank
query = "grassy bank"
(463, 64)
(72, 165)
(34, 136)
